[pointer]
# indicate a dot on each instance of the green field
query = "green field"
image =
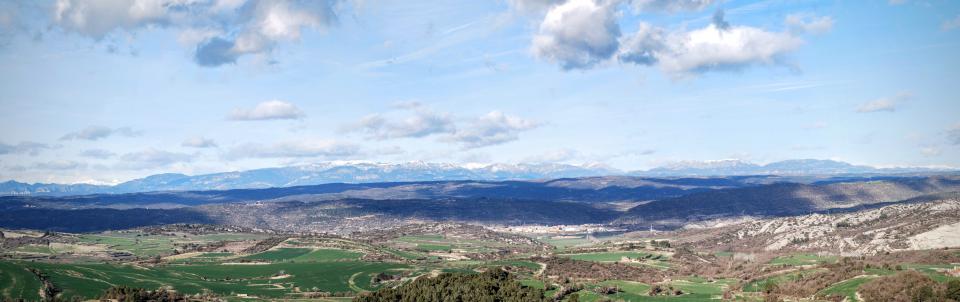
(271, 280)
(759, 284)
(321, 255)
(281, 254)
(802, 259)
(17, 282)
(434, 247)
(847, 288)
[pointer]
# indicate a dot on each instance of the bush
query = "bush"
(907, 286)
(493, 285)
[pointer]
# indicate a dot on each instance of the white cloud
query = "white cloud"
(97, 153)
(532, 5)
(494, 128)
(296, 149)
(153, 158)
(199, 142)
(578, 34)
(718, 46)
(645, 46)
(422, 122)
(59, 165)
(931, 151)
(951, 24)
(269, 110)
(953, 134)
(97, 18)
(93, 133)
(270, 22)
(807, 23)
(413, 120)
(220, 31)
(671, 6)
(31, 148)
(885, 104)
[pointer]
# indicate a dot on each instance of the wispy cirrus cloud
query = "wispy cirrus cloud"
(269, 110)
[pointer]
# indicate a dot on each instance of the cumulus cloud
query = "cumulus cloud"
(153, 158)
(92, 133)
(270, 22)
(30, 148)
(97, 153)
(718, 46)
(420, 123)
(269, 110)
(807, 23)
(220, 31)
(645, 46)
(885, 104)
(296, 149)
(199, 142)
(671, 6)
(99, 18)
(493, 128)
(578, 34)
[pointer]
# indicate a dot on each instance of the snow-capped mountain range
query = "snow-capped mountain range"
(367, 172)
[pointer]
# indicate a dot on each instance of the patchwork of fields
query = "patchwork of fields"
(317, 267)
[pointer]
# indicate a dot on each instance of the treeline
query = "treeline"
(493, 285)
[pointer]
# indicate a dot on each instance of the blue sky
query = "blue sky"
(104, 91)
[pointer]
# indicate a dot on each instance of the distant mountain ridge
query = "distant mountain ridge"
(364, 172)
